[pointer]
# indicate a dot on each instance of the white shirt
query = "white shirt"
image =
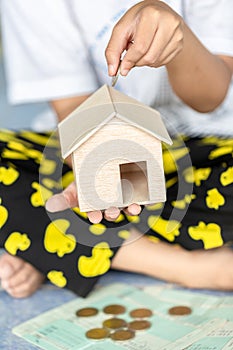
(55, 49)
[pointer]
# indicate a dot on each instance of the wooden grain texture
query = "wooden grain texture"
(97, 167)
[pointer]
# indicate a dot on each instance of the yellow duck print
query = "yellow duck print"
(43, 140)
(47, 166)
(170, 158)
(210, 234)
(49, 183)
(155, 206)
(56, 240)
(67, 178)
(214, 199)
(18, 150)
(169, 229)
(133, 218)
(196, 175)
(226, 177)
(41, 195)
(77, 211)
(3, 214)
(221, 151)
(182, 203)
(8, 176)
(17, 241)
(98, 263)
(124, 234)
(97, 229)
(57, 278)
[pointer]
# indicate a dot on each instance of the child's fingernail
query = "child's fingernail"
(111, 69)
(56, 203)
(124, 71)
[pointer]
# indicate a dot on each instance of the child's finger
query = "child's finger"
(95, 216)
(112, 213)
(64, 200)
(133, 209)
(141, 44)
(117, 44)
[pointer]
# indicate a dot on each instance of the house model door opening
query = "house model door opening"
(134, 182)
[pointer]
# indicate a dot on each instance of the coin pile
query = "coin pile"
(117, 328)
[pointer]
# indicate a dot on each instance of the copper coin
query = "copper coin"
(114, 323)
(141, 313)
(139, 325)
(180, 310)
(114, 309)
(122, 334)
(97, 333)
(87, 312)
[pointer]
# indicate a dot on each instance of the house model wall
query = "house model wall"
(115, 142)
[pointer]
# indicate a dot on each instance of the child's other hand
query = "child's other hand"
(68, 199)
(151, 33)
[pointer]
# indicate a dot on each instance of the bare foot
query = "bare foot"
(202, 269)
(19, 278)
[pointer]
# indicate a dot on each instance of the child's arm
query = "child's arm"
(154, 35)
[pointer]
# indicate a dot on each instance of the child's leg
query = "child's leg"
(63, 246)
(203, 269)
(197, 216)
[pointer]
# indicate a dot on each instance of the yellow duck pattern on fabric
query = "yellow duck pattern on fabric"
(41, 195)
(133, 218)
(56, 240)
(47, 166)
(196, 175)
(226, 177)
(210, 234)
(156, 206)
(57, 278)
(171, 156)
(169, 229)
(43, 140)
(124, 234)
(17, 241)
(182, 203)
(8, 176)
(3, 214)
(82, 214)
(214, 199)
(221, 151)
(98, 263)
(97, 229)
(17, 150)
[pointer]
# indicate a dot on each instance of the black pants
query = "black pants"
(73, 253)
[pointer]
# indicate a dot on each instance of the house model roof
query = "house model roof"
(103, 105)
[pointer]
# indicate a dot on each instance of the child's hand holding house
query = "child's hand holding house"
(68, 199)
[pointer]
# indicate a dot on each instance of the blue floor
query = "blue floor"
(15, 311)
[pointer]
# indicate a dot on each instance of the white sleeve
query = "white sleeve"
(211, 21)
(44, 54)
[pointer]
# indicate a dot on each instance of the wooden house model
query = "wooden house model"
(115, 143)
